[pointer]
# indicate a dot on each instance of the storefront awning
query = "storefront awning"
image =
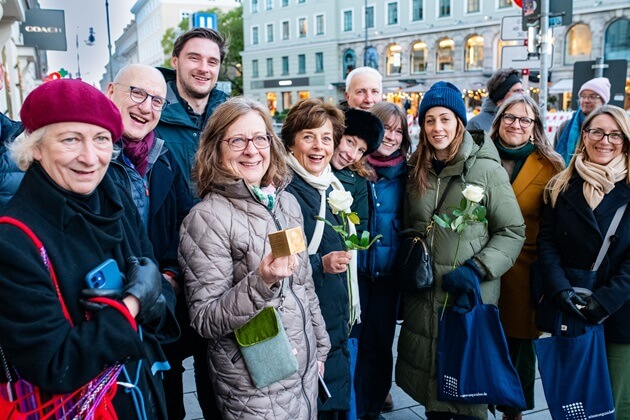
(562, 86)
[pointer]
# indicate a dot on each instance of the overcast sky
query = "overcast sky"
(80, 15)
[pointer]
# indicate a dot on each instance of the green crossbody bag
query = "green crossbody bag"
(265, 348)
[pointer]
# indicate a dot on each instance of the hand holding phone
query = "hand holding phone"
(105, 276)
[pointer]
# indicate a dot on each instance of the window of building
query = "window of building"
(579, 44)
(272, 102)
(268, 4)
(302, 27)
(445, 55)
(269, 67)
(254, 68)
(474, 53)
(617, 41)
(301, 1)
(254, 6)
(347, 21)
(349, 62)
(444, 8)
(301, 63)
(370, 58)
(419, 55)
(392, 13)
(369, 17)
(285, 65)
(473, 6)
(319, 62)
(287, 100)
(417, 10)
(304, 94)
(285, 3)
(285, 30)
(394, 55)
(504, 4)
(270, 32)
(319, 25)
(255, 35)
(184, 15)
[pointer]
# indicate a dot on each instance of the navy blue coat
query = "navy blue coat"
(571, 235)
(332, 291)
(10, 174)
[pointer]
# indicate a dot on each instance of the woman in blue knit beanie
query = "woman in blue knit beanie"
(448, 155)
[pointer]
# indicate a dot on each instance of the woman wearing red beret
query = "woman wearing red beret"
(82, 219)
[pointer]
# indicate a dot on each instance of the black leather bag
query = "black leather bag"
(413, 262)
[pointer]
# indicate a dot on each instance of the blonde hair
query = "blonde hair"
(560, 182)
(23, 147)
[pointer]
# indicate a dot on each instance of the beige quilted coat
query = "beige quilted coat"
(222, 241)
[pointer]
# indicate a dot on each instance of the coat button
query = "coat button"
(614, 238)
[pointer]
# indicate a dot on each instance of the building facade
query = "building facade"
(305, 48)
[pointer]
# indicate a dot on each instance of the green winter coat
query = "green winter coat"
(493, 246)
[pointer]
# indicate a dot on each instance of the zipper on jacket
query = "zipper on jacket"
(437, 198)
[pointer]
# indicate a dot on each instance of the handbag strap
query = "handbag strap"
(42, 252)
(611, 231)
(443, 197)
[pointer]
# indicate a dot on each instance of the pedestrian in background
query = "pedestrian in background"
(592, 94)
(10, 174)
(519, 136)
(231, 274)
(503, 84)
(364, 88)
(380, 295)
(581, 202)
(310, 134)
(486, 251)
(193, 96)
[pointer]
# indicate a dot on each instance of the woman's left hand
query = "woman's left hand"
(321, 368)
(274, 269)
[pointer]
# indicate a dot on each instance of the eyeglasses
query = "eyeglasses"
(598, 135)
(593, 97)
(140, 95)
(523, 121)
(240, 143)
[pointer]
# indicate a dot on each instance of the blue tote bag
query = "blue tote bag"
(473, 361)
(574, 374)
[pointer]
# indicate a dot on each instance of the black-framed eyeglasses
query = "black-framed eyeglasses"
(262, 141)
(592, 97)
(139, 95)
(523, 121)
(596, 134)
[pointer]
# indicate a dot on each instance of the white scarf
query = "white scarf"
(321, 183)
(599, 180)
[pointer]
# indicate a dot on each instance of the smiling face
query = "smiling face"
(514, 135)
(392, 139)
(602, 151)
(75, 155)
(313, 148)
(197, 68)
(589, 100)
(440, 128)
(364, 91)
(350, 150)
(138, 119)
(251, 163)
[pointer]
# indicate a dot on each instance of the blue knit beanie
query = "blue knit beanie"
(443, 94)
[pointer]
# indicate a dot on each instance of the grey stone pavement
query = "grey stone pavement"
(405, 408)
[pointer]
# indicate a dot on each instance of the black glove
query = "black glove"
(144, 281)
(567, 301)
(91, 293)
(593, 311)
(462, 279)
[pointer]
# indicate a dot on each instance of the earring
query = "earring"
(531, 139)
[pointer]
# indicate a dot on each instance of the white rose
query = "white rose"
(473, 193)
(340, 201)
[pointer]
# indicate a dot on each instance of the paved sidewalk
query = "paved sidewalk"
(405, 408)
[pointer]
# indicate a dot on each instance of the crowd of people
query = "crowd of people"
(181, 185)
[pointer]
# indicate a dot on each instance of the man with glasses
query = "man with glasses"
(146, 169)
(592, 94)
(192, 93)
(503, 84)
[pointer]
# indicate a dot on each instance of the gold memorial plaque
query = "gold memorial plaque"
(287, 242)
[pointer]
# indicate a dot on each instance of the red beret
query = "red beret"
(70, 100)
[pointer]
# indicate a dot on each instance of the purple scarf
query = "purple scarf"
(138, 152)
(385, 161)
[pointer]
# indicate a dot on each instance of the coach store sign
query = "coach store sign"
(44, 29)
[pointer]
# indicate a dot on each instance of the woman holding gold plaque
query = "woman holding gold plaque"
(232, 276)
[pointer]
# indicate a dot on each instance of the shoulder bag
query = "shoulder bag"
(413, 266)
(21, 400)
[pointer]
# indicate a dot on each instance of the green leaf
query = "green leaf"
(457, 223)
(441, 223)
(354, 218)
(458, 213)
(341, 231)
(447, 218)
(354, 238)
(480, 213)
(462, 204)
(365, 238)
(460, 228)
(350, 244)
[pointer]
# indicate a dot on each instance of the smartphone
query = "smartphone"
(324, 393)
(105, 276)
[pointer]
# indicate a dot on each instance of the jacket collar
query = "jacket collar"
(531, 168)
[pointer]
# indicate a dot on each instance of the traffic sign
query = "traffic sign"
(516, 57)
(511, 29)
(204, 20)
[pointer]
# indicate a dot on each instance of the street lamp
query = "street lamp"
(109, 42)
